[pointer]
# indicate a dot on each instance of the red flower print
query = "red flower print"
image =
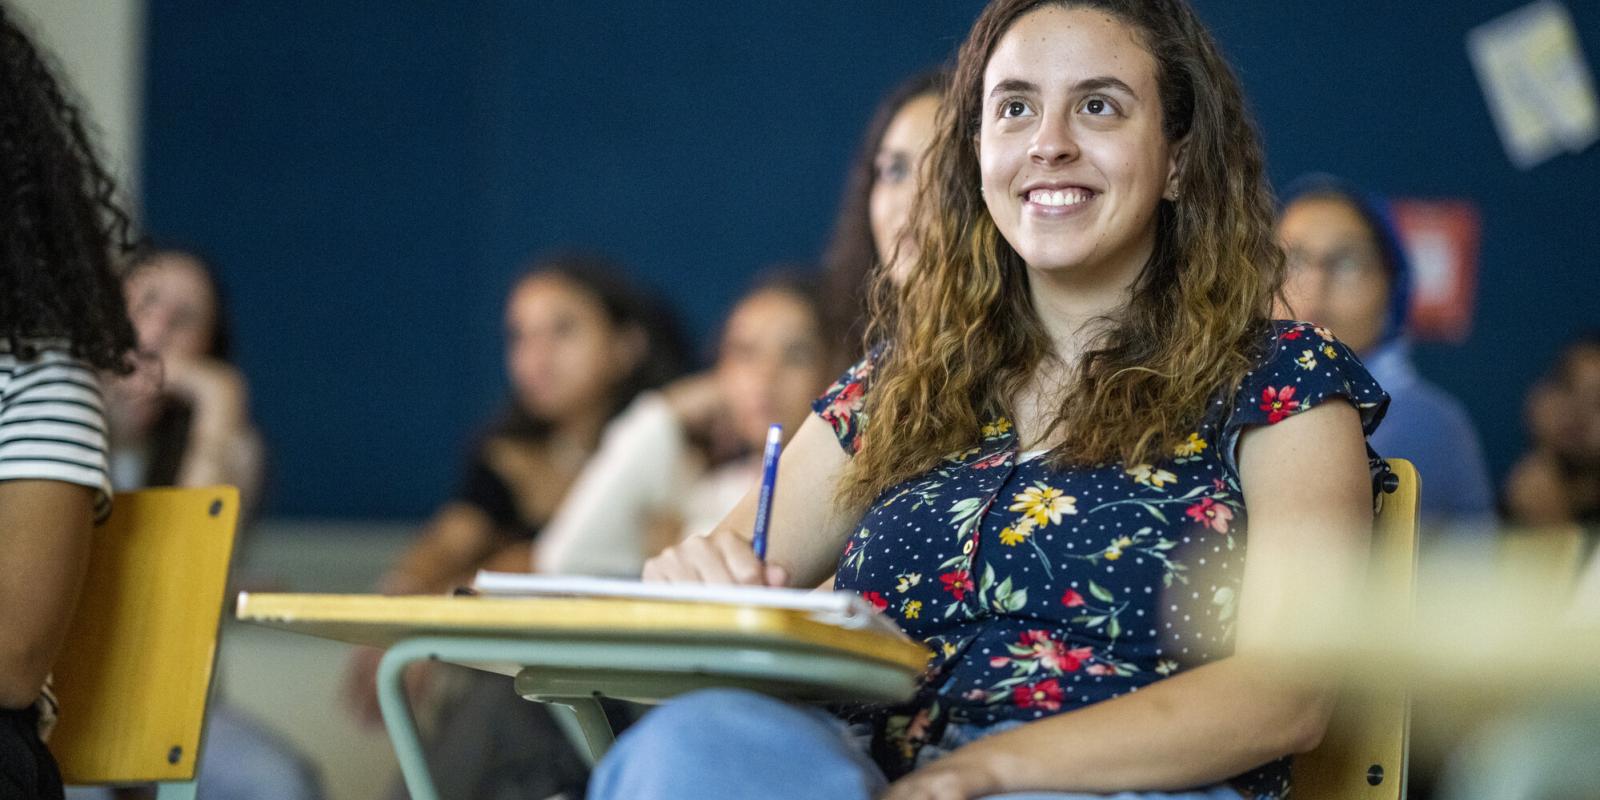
(1211, 514)
(996, 460)
(877, 600)
(1052, 655)
(1044, 694)
(1278, 403)
(1291, 334)
(1071, 599)
(849, 398)
(957, 583)
(844, 406)
(1101, 669)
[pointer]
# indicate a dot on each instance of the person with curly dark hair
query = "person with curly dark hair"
(61, 320)
(1086, 468)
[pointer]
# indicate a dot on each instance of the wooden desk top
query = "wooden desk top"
(383, 620)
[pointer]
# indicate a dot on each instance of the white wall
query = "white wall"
(99, 45)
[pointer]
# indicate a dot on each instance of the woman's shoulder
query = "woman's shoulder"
(48, 373)
(843, 405)
(54, 425)
(1297, 366)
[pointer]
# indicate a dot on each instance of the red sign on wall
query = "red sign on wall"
(1440, 238)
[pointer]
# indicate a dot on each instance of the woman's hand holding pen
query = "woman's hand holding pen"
(722, 557)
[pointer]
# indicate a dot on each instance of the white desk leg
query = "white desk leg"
(398, 719)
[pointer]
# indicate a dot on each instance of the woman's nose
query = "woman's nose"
(1053, 142)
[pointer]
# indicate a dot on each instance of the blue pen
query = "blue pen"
(769, 478)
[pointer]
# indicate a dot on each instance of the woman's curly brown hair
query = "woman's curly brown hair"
(58, 222)
(962, 335)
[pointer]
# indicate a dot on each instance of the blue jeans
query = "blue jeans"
(725, 744)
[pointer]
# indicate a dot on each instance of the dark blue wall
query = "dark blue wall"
(371, 177)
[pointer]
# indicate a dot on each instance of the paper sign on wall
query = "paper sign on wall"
(1440, 238)
(1539, 88)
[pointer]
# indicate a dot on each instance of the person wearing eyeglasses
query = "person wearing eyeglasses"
(1347, 272)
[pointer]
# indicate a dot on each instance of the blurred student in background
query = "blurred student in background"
(61, 320)
(873, 227)
(667, 439)
(183, 419)
(581, 342)
(656, 477)
(1348, 272)
(1557, 482)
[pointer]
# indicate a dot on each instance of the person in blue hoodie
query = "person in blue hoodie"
(1347, 272)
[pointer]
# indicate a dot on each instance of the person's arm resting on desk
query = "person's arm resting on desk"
(1308, 539)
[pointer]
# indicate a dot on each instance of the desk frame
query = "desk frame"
(568, 652)
(561, 672)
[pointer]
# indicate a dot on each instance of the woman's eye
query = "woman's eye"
(894, 170)
(1013, 108)
(1098, 106)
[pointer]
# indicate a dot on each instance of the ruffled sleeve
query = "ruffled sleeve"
(1303, 367)
(842, 405)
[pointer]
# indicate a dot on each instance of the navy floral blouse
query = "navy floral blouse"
(1042, 590)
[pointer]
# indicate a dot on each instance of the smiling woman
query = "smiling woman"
(1169, 212)
(1086, 467)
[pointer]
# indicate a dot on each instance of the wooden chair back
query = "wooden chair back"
(135, 672)
(1365, 753)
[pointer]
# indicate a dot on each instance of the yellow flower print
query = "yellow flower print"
(1150, 476)
(912, 609)
(1328, 351)
(1190, 447)
(996, 428)
(904, 582)
(1044, 504)
(949, 649)
(1307, 360)
(1014, 535)
(1114, 552)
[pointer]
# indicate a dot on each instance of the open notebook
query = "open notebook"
(844, 609)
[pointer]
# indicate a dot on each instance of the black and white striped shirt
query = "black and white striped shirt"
(53, 423)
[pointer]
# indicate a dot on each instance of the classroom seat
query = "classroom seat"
(1365, 753)
(135, 673)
